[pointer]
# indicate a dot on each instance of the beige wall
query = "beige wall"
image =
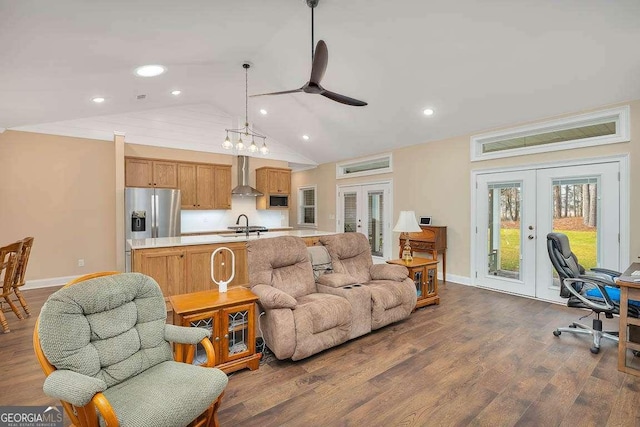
(63, 191)
(434, 179)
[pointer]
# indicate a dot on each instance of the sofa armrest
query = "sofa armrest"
(336, 280)
(393, 272)
(271, 298)
(72, 387)
(185, 334)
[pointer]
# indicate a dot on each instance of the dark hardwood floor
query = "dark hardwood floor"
(479, 358)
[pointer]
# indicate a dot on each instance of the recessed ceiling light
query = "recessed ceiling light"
(150, 70)
(263, 111)
(176, 92)
(98, 99)
(305, 137)
(428, 112)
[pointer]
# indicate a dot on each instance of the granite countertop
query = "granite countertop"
(165, 242)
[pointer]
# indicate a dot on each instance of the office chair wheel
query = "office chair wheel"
(595, 350)
(557, 333)
(573, 325)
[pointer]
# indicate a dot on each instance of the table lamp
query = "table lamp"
(222, 284)
(407, 224)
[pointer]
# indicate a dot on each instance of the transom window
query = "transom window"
(598, 128)
(365, 166)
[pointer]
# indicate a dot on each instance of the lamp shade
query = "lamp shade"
(407, 223)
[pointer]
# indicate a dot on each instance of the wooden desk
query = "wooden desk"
(629, 289)
(231, 318)
(431, 240)
(424, 273)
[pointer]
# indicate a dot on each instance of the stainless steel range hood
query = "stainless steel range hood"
(243, 188)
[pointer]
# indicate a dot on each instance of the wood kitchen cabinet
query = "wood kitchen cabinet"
(183, 269)
(204, 186)
(273, 180)
(195, 182)
(230, 317)
(150, 173)
(165, 265)
(275, 185)
(222, 187)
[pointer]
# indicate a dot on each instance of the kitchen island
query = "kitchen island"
(183, 264)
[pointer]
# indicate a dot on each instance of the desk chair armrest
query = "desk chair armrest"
(601, 279)
(72, 387)
(612, 274)
(185, 334)
(608, 304)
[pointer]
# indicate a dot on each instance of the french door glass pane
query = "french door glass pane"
(504, 234)
(350, 212)
(575, 213)
(375, 205)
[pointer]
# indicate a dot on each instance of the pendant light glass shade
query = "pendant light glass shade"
(264, 149)
(240, 144)
(227, 144)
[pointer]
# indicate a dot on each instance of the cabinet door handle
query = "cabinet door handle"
(226, 336)
(217, 339)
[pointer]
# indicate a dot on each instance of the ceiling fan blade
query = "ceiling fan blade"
(343, 99)
(278, 93)
(320, 59)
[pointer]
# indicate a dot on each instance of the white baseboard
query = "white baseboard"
(463, 280)
(48, 283)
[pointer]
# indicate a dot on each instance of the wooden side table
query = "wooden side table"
(230, 316)
(629, 289)
(424, 273)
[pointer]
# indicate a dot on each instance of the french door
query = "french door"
(367, 209)
(516, 210)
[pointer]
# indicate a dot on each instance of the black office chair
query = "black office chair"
(591, 291)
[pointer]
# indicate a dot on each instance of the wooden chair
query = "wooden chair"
(8, 265)
(21, 271)
(70, 333)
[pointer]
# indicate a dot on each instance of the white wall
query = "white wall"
(202, 221)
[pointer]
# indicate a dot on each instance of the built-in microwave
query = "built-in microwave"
(278, 201)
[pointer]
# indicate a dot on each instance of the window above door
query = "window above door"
(585, 130)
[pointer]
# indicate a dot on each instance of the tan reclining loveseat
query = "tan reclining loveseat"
(303, 317)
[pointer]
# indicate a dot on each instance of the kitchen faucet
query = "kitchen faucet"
(246, 230)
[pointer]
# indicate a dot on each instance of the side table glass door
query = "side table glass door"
(238, 339)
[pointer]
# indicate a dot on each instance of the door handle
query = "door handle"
(530, 237)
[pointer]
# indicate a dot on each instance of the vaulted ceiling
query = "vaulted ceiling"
(478, 64)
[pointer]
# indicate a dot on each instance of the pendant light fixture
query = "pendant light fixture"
(246, 131)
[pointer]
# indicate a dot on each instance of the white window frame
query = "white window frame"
(301, 206)
(342, 167)
(620, 115)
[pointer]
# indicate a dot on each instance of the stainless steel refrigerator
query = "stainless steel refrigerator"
(149, 213)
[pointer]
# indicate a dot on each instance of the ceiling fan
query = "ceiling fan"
(318, 67)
